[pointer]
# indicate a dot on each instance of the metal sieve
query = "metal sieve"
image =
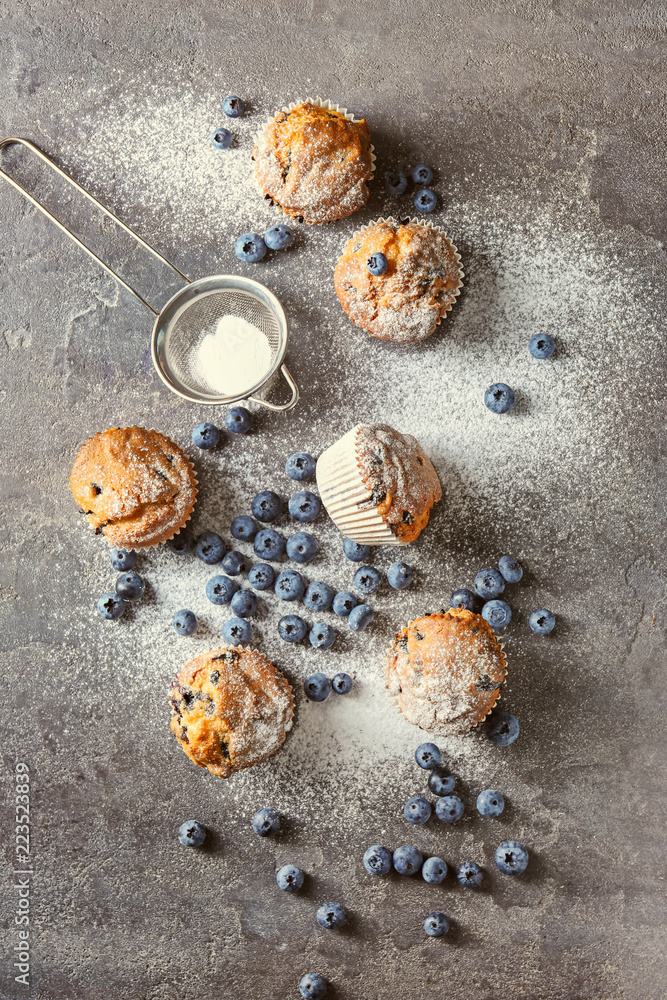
(191, 313)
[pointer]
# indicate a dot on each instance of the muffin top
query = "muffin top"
(232, 709)
(403, 483)
(135, 486)
(314, 163)
(446, 671)
(419, 287)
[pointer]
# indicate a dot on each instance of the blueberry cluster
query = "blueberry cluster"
(233, 107)
(318, 687)
(252, 247)
(238, 420)
(511, 857)
(130, 586)
(424, 199)
(489, 584)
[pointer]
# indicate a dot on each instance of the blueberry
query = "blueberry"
(541, 346)
(511, 857)
(222, 138)
(301, 547)
(395, 182)
(266, 506)
(181, 543)
(289, 878)
(440, 782)
(244, 603)
(463, 599)
(185, 622)
(266, 821)
(322, 636)
(205, 436)
(110, 606)
(331, 915)
(233, 107)
(317, 687)
(210, 547)
(233, 563)
(501, 728)
(244, 528)
(354, 551)
(269, 544)
(425, 200)
(510, 569)
(289, 585)
(343, 603)
(436, 924)
(421, 174)
(300, 466)
(407, 860)
(250, 248)
(278, 237)
(542, 621)
(399, 575)
(449, 808)
(130, 586)
(489, 583)
(428, 756)
(417, 810)
(490, 803)
(220, 589)
(377, 264)
(377, 860)
(124, 559)
(341, 683)
(319, 596)
(367, 580)
(191, 833)
(261, 576)
(291, 628)
(469, 874)
(497, 613)
(313, 986)
(499, 398)
(238, 420)
(360, 618)
(236, 630)
(434, 871)
(304, 506)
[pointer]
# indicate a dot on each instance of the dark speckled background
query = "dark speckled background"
(563, 102)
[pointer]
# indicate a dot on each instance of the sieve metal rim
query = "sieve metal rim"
(182, 300)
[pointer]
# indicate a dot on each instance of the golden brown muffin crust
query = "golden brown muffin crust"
(446, 671)
(314, 163)
(232, 709)
(403, 483)
(136, 486)
(406, 303)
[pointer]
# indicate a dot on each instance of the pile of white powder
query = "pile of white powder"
(233, 358)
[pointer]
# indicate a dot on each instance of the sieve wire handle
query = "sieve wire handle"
(19, 187)
(294, 399)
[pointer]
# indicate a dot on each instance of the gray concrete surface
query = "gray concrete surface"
(546, 124)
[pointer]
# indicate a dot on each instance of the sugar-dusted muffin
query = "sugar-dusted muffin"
(135, 486)
(232, 709)
(377, 485)
(446, 671)
(419, 287)
(314, 162)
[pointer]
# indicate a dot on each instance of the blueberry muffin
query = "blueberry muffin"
(446, 671)
(314, 163)
(232, 709)
(378, 485)
(418, 287)
(135, 486)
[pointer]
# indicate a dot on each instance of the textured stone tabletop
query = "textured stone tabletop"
(545, 123)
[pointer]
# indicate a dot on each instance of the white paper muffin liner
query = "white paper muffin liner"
(427, 224)
(317, 102)
(342, 489)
